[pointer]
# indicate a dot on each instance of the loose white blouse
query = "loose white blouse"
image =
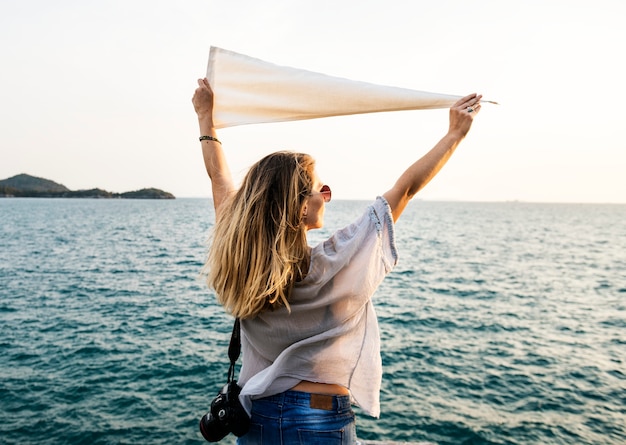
(331, 334)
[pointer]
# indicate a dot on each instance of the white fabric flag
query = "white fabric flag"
(251, 91)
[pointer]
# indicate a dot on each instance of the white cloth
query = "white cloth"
(331, 334)
(250, 91)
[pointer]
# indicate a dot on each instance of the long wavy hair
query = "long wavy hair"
(259, 247)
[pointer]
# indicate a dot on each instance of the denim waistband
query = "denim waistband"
(339, 403)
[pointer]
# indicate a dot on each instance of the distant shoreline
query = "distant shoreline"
(87, 194)
(27, 186)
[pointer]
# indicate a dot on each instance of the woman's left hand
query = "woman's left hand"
(203, 99)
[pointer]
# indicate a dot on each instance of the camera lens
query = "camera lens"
(212, 429)
(225, 416)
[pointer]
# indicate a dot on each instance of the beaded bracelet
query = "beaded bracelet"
(209, 138)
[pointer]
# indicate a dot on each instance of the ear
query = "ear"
(304, 211)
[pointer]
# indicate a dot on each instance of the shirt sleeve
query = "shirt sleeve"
(383, 220)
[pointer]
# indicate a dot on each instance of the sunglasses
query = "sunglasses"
(326, 193)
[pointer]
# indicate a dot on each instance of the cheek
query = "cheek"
(316, 215)
(319, 208)
(320, 215)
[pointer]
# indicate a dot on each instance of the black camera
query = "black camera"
(225, 416)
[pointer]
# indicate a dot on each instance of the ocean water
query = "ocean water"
(503, 323)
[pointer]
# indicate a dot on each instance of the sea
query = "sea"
(502, 323)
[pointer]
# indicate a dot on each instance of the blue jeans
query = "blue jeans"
(300, 418)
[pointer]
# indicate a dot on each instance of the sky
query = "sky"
(98, 94)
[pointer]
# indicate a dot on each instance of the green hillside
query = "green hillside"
(27, 186)
(33, 183)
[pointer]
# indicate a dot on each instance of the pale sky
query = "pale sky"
(98, 93)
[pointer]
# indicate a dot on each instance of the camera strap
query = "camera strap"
(234, 349)
(226, 414)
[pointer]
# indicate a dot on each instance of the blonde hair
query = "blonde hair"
(259, 247)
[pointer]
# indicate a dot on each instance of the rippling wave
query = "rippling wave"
(502, 323)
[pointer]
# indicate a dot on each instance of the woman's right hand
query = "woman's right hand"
(422, 171)
(203, 100)
(462, 114)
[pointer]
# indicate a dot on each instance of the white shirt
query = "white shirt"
(331, 334)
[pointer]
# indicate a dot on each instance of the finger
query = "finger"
(472, 107)
(464, 100)
(473, 101)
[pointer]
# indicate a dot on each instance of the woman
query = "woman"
(309, 333)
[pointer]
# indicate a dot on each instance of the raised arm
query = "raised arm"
(214, 159)
(426, 168)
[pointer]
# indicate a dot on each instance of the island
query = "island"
(27, 186)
